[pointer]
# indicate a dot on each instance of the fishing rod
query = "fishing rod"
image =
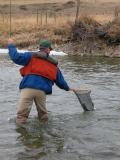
(10, 23)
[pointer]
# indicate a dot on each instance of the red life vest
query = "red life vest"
(40, 67)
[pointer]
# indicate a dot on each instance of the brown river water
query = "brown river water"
(70, 133)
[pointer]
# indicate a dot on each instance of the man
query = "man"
(39, 73)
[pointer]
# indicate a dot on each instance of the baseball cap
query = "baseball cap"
(45, 44)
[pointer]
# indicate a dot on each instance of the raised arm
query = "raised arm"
(16, 57)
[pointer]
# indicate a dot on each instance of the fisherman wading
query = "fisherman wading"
(39, 72)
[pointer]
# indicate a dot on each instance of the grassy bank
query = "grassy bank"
(87, 36)
(90, 37)
(26, 32)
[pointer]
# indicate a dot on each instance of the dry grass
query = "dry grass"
(103, 18)
(27, 32)
(54, 1)
(30, 1)
(88, 27)
(106, 1)
(88, 37)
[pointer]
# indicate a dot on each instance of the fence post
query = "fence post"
(77, 11)
(116, 12)
(2, 16)
(41, 18)
(10, 20)
(46, 17)
(37, 17)
(55, 17)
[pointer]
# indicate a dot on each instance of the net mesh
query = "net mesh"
(85, 99)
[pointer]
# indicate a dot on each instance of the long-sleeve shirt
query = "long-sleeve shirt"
(35, 81)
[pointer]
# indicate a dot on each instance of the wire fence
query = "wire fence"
(39, 18)
(25, 16)
(42, 17)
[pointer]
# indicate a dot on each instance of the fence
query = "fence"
(38, 18)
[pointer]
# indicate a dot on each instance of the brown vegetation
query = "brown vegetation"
(32, 21)
(90, 37)
(28, 33)
(89, 29)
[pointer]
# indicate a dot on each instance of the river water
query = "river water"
(70, 133)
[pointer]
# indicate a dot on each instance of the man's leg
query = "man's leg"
(25, 104)
(40, 102)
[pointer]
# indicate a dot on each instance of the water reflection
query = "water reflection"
(39, 139)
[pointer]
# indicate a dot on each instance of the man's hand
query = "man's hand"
(72, 89)
(10, 41)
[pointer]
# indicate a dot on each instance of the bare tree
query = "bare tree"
(77, 11)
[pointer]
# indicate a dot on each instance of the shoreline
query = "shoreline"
(76, 49)
(86, 37)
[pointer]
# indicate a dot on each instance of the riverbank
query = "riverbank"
(96, 34)
(86, 37)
